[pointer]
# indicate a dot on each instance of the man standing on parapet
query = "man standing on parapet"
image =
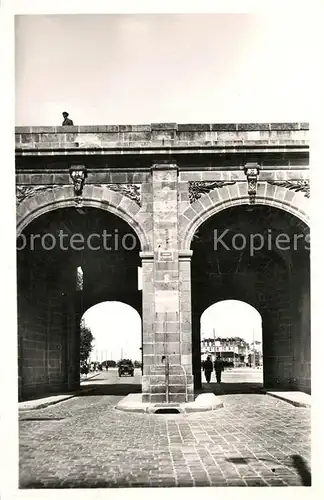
(219, 367)
(66, 120)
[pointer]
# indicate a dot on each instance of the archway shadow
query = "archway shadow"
(296, 461)
(302, 469)
(232, 388)
(109, 389)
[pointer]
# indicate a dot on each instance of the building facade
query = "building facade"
(160, 191)
(233, 350)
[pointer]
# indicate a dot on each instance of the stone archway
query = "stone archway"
(50, 303)
(295, 203)
(47, 198)
(277, 286)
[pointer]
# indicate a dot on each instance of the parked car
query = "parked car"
(126, 368)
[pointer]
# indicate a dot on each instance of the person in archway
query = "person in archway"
(219, 368)
(208, 369)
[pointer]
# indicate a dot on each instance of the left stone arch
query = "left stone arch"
(47, 198)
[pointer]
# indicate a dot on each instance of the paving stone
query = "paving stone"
(91, 445)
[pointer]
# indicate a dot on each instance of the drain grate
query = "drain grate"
(167, 410)
(160, 408)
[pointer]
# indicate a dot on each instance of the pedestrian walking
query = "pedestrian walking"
(219, 368)
(208, 369)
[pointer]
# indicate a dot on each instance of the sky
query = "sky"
(232, 318)
(117, 327)
(184, 68)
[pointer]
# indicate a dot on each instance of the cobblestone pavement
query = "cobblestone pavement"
(255, 440)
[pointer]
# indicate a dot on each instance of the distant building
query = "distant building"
(231, 349)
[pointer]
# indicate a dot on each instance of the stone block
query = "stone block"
(184, 286)
(157, 398)
(158, 389)
(37, 179)
(26, 139)
(186, 359)
(171, 337)
(171, 316)
(284, 126)
(174, 359)
(289, 195)
(61, 178)
(148, 348)
(166, 301)
(223, 126)
(186, 348)
(206, 201)
(25, 179)
(253, 126)
(148, 359)
(216, 195)
(162, 326)
(171, 348)
(190, 176)
(177, 389)
(177, 398)
(147, 187)
(195, 127)
(139, 136)
(164, 126)
(190, 214)
(118, 178)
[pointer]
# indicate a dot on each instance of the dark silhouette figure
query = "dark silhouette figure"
(66, 120)
(219, 367)
(208, 368)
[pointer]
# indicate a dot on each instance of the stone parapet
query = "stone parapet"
(169, 135)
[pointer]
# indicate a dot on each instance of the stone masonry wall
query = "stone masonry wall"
(44, 332)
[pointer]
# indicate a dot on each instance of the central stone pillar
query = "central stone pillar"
(167, 375)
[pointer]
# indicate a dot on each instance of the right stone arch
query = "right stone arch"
(295, 203)
(280, 292)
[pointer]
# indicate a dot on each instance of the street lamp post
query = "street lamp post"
(253, 350)
(214, 342)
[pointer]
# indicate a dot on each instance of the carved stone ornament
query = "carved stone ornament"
(23, 192)
(296, 185)
(198, 188)
(132, 191)
(78, 202)
(78, 174)
(252, 171)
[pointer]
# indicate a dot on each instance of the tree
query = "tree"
(86, 339)
(110, 362)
